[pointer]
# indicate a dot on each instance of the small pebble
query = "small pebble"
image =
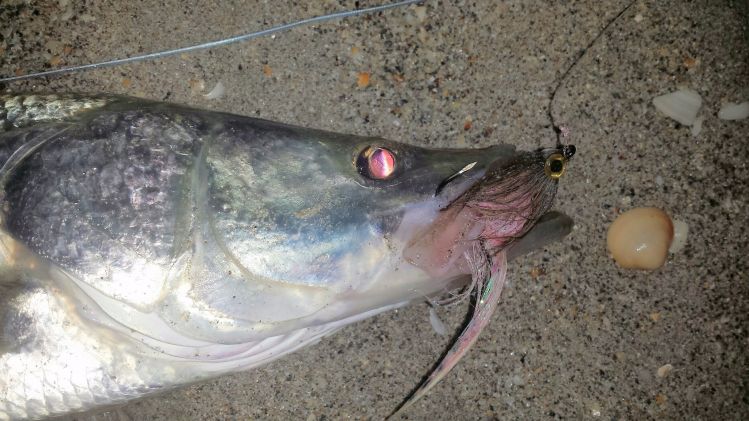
(665, 370)
(734, 111)
(467, 123)
(363, 79)
(660, 399)
(690, 62)
(536, 272)
(196, 85)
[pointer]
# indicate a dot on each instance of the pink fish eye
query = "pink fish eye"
(376, 163)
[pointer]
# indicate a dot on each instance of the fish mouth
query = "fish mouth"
(494, 210)
(514, 193)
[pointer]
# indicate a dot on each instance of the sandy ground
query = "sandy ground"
(585, 339)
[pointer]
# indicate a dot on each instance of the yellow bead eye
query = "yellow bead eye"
(555, 165)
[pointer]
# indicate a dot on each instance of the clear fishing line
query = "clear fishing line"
(213, 44)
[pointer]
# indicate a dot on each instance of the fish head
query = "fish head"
(355, 224)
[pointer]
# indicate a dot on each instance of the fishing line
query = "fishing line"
(560, 131)
(213, 44)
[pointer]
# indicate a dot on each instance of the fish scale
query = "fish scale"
(58, 370)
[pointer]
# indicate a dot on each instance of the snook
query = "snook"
(144, 246)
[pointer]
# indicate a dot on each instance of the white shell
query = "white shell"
(681, 230)
(697, 127)
(734, 111)
(217, 92)
(682, 105)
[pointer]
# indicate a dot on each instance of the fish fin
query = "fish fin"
(489, 291)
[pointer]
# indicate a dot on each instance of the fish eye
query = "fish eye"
(555, 165)
(376, 163)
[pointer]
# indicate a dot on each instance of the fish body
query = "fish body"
(144, 246)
